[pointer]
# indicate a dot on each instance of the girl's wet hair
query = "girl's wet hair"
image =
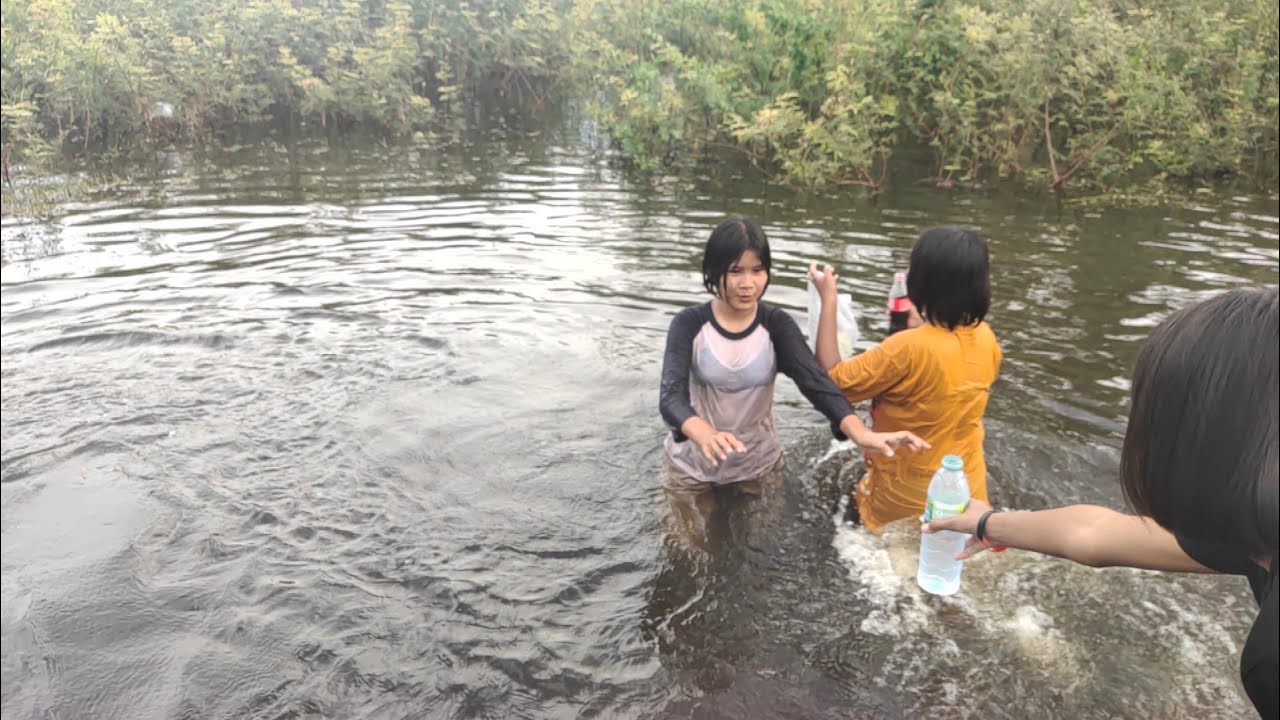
(728, 241)
(1200, 453)
(949, 277)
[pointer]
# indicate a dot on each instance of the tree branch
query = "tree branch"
(1048, 142)
(1085, 157)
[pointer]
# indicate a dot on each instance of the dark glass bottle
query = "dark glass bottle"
(899, 304)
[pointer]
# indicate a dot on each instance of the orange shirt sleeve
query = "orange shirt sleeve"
(871, 373)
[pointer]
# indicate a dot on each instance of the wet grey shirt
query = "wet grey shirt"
(727, 379)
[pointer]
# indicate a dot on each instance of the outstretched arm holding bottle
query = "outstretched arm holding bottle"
(1088, 534)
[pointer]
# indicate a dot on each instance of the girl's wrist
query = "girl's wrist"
(982, 533)
(855, 429)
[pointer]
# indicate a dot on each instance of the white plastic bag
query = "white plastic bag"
(846, 322)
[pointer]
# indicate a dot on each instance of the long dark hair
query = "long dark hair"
(1200, 454)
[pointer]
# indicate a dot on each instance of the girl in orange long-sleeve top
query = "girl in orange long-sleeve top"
(932, 380)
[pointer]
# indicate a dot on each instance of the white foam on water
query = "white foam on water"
(893, 597)
(837, 447)
(1028, 621)
(950, 692)
(1061, 619)
(1033, 633)
(883, 570)
(1192, 651)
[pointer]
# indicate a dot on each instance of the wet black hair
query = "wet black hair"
(728, 241)
(1200, 453)
(949, 279)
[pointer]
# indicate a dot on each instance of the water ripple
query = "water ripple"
(372, 434)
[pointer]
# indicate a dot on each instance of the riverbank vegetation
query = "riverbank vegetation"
(1095, 95)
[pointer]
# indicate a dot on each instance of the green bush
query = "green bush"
(1094, 92)
(102, 73)
(1091, 94)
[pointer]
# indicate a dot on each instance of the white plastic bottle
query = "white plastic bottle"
(948, 495)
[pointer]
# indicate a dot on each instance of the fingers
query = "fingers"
(884, 443)
(734, 443)
(966, 522)
(709, 452)
(911, 441)
(939, 523)
(729, 445)
(720, 446)
(878, 443)
(816, 277)
(935, 525)
(723, 448)
(976, 508)
(829, 278)
(971, 547)
(712, 450)
(824, 277)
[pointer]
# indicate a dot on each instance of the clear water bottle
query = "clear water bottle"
(948, 495)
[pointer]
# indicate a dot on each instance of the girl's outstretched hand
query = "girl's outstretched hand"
(884, 443)
(824, 280)
(966, 522)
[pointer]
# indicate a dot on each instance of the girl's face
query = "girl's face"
(744, 282)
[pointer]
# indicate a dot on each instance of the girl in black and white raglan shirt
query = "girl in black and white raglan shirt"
(721, 360)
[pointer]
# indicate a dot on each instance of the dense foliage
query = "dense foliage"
(1100, 93)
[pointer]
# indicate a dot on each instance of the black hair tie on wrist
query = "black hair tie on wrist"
(981, 532)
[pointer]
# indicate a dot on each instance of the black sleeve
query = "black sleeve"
(1260, 685)
(673, 400)
(1261, 675)
(796, 361)
(1224, 558)
(1260, 659)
